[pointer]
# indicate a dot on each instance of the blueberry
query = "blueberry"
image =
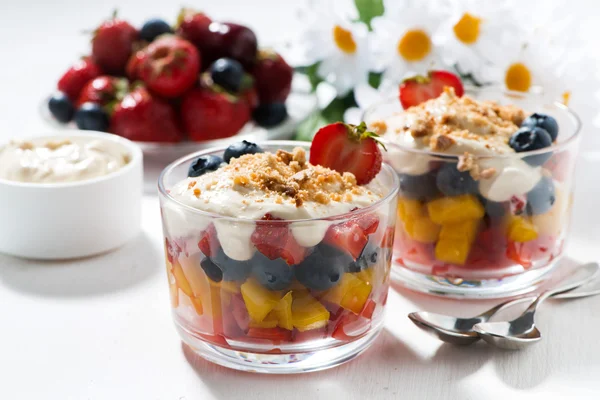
(452, 182)
(422, 187)
(323, 268)
(91, 117)
(543, 121)
(61, 107)
(530, 139)
(541, 198)
(493, 209)
(233, 270)
(211, 270)
(154, 27)
(204, 164)
(368, 257)
(239, 149)
(270, 115)
(272, 274)
(228, 74)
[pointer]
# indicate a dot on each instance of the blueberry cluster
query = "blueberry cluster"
(209, 163)
(320, 270)
(537, 132)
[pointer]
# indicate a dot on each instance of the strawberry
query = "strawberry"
(273, 77)
(347, 148)
(347, 236)
(208, 113)
(142, 117)
(275, 240)
(418, 89)
(170, 66)
(113, 44)
(194, 26)
(132, 70)
(250, 96)
(208, 243)
(77, 77)
(103, 90)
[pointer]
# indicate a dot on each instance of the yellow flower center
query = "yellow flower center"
(566, 96)
(415, 45)
(467, 28)
(518, 77)
(343, 40)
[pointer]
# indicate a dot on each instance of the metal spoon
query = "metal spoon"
(460, 330)
(522, 332)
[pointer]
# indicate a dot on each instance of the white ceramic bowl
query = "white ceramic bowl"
(74, 219)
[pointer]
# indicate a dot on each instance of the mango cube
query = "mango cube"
(521, 230)
(308, 313)
(447, 210)
(350, 293)
(270, 321)
(465, 230)
(409, 208)
(422, 229)
(366, 275)
(283, 312)
(454, 251)
(259, 300)
(181, 280)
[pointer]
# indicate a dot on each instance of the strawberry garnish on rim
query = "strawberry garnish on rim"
(419, 89)
(348, 148)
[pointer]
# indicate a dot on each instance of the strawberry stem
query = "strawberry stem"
(359, 132)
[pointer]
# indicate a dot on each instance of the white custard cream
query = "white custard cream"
(60, 159)
(283, 185)
(461, 126)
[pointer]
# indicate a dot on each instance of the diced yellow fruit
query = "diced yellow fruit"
(452, 250)
(181, 280)
(270, 321)
(197, 303)
(447, 210)
(197, 279)
(521, 230)
(173, 289)
(283, 311)
(460, 230)
(366, 275)
(259, 300)
(552, 222)
(308, 313)
(409, 208)
(350, 293)
(422, 229)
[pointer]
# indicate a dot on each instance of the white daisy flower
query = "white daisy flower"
(478, 34)
(403, 38)
(341, 46)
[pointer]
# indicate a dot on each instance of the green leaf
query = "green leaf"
(307, 129)
(334, 112)
(375, 79)
(368, 9)
(311, 72)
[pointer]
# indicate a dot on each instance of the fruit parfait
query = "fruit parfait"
(272, 257)
(486, 181)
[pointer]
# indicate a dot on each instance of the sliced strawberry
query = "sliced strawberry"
(275, 240)
(275, 334)
(348, 236)
(209, 244)
(419, 89)
(347, 148)
(368, 223)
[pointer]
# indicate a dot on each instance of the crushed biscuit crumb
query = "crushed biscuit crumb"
(488, 173)
(379, 127)
(191, 184)
(197, 192)
(465, 162)
(441, 142)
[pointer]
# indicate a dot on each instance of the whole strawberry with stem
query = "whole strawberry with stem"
(142, 117)
(348, 148)
(103, 90)
(77, 76)
(211, 113)
(273, 77)
(169, 66)
(113, 44)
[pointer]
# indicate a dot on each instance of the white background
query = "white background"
(101, 329)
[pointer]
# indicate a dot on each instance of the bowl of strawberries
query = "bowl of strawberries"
(181, 88)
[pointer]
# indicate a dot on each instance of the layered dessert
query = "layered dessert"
(60, 159)
(267, 251)
(482, 188)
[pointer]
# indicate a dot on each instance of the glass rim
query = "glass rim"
(472, 89)
(391, 194)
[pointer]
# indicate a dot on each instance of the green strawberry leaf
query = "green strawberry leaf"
(369, 9)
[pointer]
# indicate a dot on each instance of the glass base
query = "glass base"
(289, 363)
(476, 288)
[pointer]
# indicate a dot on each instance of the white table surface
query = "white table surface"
(100, 328)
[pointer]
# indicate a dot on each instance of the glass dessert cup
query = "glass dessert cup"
(240, 315)
(466, 245)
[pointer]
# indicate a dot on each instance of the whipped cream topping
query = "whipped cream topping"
(231, 191)
(459, 126)
(59, 160)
